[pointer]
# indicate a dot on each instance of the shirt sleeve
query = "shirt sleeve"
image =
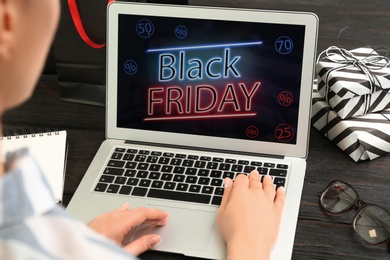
(34, 226)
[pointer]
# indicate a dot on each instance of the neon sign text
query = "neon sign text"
(173, 66)
(200, 101)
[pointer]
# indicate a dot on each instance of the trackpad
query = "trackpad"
(186, 229)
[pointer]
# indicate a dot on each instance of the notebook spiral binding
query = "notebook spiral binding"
(33, 132)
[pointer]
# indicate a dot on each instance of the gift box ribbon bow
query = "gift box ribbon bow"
(348, 59)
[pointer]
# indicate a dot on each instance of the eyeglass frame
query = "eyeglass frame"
(359, 204)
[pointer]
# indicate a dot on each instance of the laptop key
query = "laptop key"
(269, 165)
(282, 166)
(216, 174)
(169, 185)
(191, 171)
(200, 164)
(279, 182)
(262, 170)
(156, 153)
(218, 191)
(256, 163)
(113, 171)
(139, 191)
(117, 156)
(107, 178)
(278, 172)
(164, 160)
(130, 173)
(224, 166)
(132, 181)
(179, 169)
(178, 178)
(248, 169)
(116, 163)
(193, 157)
(152, 159)
(181, 196)
(195, 188)
(166, 177)
(120, 150)
(216, 200)
(212, 165)
(188, 163)
(182, 187)
(176, 161)
(125, 190)
(207, 190)
(167, 168)
(113, 188)
(243, 162)
(120, 180)
(203, 172)
(140, 158)
(228, 175)
(231, 161)
(236, 168)
(154, 167)
(216, 182)
(101, 187)
(168, 154)
(154, 175)
(128, 157)
(157, 184)
(142, 166)
(145, 183)
(131, 165)
(204, 181)
(191, 179)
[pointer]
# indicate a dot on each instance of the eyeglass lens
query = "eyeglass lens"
(338, 197)
(372, 224)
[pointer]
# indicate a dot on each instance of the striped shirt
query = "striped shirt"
(34, 226)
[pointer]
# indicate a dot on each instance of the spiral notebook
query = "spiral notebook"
(48, 149)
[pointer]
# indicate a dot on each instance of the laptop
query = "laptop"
(196, 94)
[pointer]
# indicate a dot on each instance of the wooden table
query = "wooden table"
(318, 236)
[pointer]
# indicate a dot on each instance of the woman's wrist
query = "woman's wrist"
(245, 250)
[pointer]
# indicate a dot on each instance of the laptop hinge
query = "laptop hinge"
(203, 149)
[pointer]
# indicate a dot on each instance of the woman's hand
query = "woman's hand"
(116, 224)
(250, 215)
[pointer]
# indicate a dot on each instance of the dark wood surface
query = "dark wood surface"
(318, 236)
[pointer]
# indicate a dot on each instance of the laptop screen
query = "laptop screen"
(231, 79)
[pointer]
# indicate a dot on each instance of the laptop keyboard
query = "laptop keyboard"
(176, 176)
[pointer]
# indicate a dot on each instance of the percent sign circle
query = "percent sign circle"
(181, 32)
(130, 67)
(252, 131)
(285, 98)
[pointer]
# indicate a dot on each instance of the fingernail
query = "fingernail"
(125, 206)
(227, 182)
(154, 240)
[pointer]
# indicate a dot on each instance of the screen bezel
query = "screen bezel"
(309, 20)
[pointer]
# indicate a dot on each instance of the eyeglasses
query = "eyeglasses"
(371, 223)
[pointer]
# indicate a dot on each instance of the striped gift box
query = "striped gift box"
(355, 82)
(365, 137)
